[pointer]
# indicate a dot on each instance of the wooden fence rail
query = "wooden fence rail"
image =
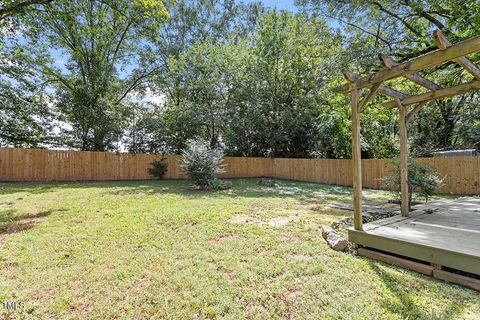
(461, 174)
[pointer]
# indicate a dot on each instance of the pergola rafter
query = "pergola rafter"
(443, 43)
(375, 83)
(389, 63)
(428, 60)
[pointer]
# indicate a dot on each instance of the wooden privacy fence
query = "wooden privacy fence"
(461, 174)
(61, 165)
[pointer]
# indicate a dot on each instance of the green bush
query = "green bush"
(158, 168)
(202, 163)
(217, 184)
(422, 178)
(264, 182)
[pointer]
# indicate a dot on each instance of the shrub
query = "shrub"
(264, 182)
(158, 168)
(217, 184)
(422, 178)
(202, 163)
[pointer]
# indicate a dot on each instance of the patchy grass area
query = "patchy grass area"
(159, 250)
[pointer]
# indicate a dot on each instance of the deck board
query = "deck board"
(451, 231)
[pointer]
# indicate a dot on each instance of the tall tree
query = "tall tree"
(208, 85)
(10, 8)
(196, 58)
(25, 118)
(104, 44)
(287, 75)
(401, 26)
(403, 29)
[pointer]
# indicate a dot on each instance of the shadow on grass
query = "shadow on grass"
(12, 223)
(245, 188)
(307, 192)
(11, 188)
(404, 305)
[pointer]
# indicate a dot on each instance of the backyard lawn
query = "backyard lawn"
(160, 249)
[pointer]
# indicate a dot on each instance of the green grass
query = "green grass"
(160, 250)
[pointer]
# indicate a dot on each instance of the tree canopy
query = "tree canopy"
(149, 75)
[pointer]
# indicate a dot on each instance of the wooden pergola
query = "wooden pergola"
(374, 83)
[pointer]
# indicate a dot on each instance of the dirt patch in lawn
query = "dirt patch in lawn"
(265, 253)
(242, 219)
(279, 222)
(288, 237)
(230, 276)
(293, 294)
(282, 221)
(302, 257)
(276, 222)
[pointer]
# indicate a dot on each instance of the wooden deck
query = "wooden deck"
(444, 233)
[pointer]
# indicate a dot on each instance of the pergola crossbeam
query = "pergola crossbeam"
(436, 95)
(389, 63)
(428, 60)
(443, 43)
(350, 76)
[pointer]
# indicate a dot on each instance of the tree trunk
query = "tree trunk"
(98, 140)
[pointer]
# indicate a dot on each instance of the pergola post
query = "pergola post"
(357, 162)
(457, 52)
(403, 159)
